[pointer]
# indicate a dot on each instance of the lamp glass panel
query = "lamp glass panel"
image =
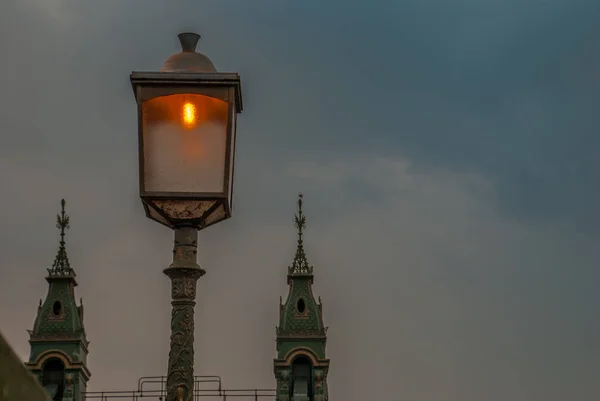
(184, 143)
(154, 215)
(231, 158)
(217, 215)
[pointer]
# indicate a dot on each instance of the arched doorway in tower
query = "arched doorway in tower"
(53, 378)
(302, 387)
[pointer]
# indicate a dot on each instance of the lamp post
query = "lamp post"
(186, 130)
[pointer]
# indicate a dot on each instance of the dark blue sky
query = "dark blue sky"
(507, 89)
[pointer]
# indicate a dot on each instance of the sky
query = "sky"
(446, 150)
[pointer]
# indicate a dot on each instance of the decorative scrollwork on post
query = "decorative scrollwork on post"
(181, 355)
(176, 287)
(184, 273)
(189, 287)
(184, 287)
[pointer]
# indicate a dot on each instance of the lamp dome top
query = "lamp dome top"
(188, 60)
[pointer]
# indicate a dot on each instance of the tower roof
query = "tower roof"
(300, 315)
(300, 266)
(59, 317)
(301, 336)
(58, 341)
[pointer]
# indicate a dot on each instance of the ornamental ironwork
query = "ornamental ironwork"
(300, 266)
(61, 266)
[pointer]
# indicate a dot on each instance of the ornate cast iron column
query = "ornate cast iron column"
(184, 272)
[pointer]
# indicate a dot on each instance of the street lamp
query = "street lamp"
(186, 131)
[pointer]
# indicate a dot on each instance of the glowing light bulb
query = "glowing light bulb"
(189, 114)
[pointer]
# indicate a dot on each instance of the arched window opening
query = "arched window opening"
(302, 384)
(301, 306)
(53, 378)
(56, 308)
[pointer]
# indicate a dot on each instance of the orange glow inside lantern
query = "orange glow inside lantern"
(188, 115)
(185, 143)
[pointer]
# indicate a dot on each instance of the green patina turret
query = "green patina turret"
(301, 365)
(59, 346)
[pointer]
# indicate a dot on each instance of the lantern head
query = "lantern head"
(186, 129)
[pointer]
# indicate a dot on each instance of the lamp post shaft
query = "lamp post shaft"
(184, 273)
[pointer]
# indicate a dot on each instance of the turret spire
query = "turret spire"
(61, 265)
(59, 344)
(301, 365)
(300, 266)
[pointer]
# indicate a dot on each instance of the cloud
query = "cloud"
(56, 12)
(425, 283)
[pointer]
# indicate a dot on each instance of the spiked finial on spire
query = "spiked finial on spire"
(62, 222)
(300, 220)
(61, 265)
(300, 266)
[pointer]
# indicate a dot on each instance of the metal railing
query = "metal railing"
(155, 387)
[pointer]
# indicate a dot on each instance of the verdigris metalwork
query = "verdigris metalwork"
(283, 384)
(58, 333)
(301, 333)
(184, 273)
(300, 266)
(61, 265)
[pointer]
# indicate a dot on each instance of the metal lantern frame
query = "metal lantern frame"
(222, 86)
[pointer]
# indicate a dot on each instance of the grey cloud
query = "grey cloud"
(427, 284)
